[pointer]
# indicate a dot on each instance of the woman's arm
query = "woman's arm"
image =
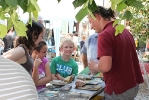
(15, 54)
(5, 54)
(84, 60)
(47, 78)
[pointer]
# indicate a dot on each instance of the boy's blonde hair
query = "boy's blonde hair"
(64, 40)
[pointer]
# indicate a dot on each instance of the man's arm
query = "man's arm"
(84, 54)
(84, 60)
(104, 65)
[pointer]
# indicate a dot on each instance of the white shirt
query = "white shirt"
(15, 82)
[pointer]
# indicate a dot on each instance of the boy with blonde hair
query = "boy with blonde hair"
(64, 65)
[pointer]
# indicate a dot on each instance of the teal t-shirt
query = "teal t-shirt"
(64, 68)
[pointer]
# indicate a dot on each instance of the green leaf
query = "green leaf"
(85, 4)
(78, 3)
(31, 7)
(6, 10)
(121, 6)
(119, 29)
(35, 15)
(91, 2)
(93, 6)
(136, 4)
(58, 1)
(128, 2)
(3, 30)
(12, 3)
(121, 15)
(116, 22)
(23, 4)
(9, 24)
(34, 2)
(14, 18)
(113, 6)
(81, 14)
(127, 15)
(30, 18)
(3, 4)
(21, 31)
(2, 15)
(91, 14)
(115, 2)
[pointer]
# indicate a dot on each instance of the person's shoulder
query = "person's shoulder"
(108, 32)
(19, 50)
(93, 35)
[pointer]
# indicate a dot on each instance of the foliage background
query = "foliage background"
(135, 11)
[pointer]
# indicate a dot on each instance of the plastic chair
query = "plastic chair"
(143, 67)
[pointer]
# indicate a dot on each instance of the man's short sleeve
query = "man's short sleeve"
(105, 45)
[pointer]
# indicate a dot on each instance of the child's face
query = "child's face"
(43, 52)
(67, 48)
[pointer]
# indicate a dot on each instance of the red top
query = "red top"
(125, 70)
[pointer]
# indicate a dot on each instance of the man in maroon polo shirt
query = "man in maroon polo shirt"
(118, 59)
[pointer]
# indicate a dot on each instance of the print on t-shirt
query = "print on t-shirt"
(41, 73)
(63, 69)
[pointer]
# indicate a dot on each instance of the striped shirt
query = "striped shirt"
(15, 82)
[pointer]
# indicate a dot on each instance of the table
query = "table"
(73, 94)
(68, 96)
(102, 84)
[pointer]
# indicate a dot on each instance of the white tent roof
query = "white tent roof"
(63, 10)
(51, 9)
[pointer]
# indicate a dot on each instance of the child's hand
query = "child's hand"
(37, 61)
(59, 77)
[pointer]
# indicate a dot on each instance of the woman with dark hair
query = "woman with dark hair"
(118, 58)
(25, 45)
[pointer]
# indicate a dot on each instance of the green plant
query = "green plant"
(9, 7)
(139, 23)
(121, 6)
(8, 11)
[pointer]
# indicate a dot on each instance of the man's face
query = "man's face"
(94, 23)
